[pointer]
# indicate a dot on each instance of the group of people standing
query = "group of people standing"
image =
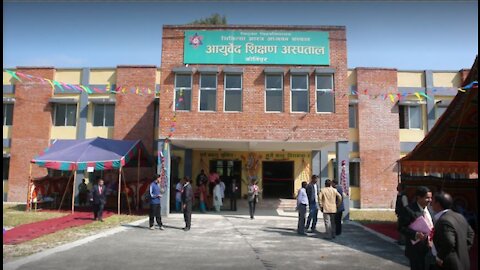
(330, 202)
(444, 240)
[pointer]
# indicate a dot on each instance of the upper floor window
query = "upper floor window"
(208, 92)
(439, 110)
(352, 116)
(233, 92)
(274, 92)
(299, 86)
(410, 116)
(65, 114)
(103, 115)
(183, 92)
(325, 95)
(7, 114)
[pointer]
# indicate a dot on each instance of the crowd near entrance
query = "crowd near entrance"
(278, 179)
(228, 170)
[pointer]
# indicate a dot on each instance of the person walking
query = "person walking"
(155, 196)
(99, 199)
(252, 196)
(452, 237)
(312, 194)
(330, 200)
(178, 196)
(202, 195)
(217, 196)
(302, 203)
(417, 247)
(233, 195)
(400, 206)
(340, 209)
(82, 193)
(187, 201)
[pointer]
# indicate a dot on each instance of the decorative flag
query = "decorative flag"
(418, 96)
(392, 98)
(13, 74)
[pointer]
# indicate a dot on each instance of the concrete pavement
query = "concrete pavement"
(229, 240)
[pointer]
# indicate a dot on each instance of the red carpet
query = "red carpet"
(390, 230)
(34, 230)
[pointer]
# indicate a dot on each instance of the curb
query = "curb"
(17, 263)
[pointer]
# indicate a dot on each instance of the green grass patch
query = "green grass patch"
(373, 216)
(48, 241)
(14, 215)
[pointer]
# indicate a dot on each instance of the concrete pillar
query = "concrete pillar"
(342, 156)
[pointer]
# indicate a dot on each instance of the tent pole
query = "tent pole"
(126, 194)
(65, 192)
(119, 182)
(137, 198)
(73, 190)
(29, 186)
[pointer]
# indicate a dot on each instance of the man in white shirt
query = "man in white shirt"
(302, 203)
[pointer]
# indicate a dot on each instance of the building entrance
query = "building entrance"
(228, 170)
(278, 179)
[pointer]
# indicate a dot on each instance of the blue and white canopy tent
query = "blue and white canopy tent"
(99, 153)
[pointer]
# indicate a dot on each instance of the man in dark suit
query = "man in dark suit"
(98, 198)
(419, 253)
(452, 237)
(312, 194)
(187, 201)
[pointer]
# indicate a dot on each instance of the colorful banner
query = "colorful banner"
(256, 47)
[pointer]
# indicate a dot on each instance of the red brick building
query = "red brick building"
(274, 103)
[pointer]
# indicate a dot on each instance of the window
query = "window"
(183, 90)
(7, 114)
(410, 117)
(325, 99)
(6, 167)
(208, 92)
(65, 114)
(299, 86)
(439, 110)
(233, 92)
(352, 116)
(353, 173)
(103, 115)
(274, 93)
(354, 170)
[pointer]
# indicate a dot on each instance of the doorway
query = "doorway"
(278, 179)
(228, 170)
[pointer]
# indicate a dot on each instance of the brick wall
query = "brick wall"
(253, 123)
(32, 120)
(134, 113)
(378, 134)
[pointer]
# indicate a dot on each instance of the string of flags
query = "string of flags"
(78, 87)
(145, 90)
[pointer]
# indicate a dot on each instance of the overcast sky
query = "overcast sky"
(437, 35)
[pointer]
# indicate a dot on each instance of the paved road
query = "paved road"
(229, 241)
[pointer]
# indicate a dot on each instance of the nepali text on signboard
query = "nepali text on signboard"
(256, 47)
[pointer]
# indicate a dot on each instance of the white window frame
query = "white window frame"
(232, 89)
(200, 89)
(174, 108)
(325, 90)
(273, 89)
(408, 126)
(355, 117)
(65, 116)
(5, 106)
(299, 90)
(95, 106)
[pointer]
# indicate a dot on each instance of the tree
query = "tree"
(214, 19)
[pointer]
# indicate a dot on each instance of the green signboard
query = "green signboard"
(256, 47)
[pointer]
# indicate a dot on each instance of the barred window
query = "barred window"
(65, 114)
(208, 92)
(183, 90)
(325, 95)
(233, 92)
(299, 89)
(274, 92)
